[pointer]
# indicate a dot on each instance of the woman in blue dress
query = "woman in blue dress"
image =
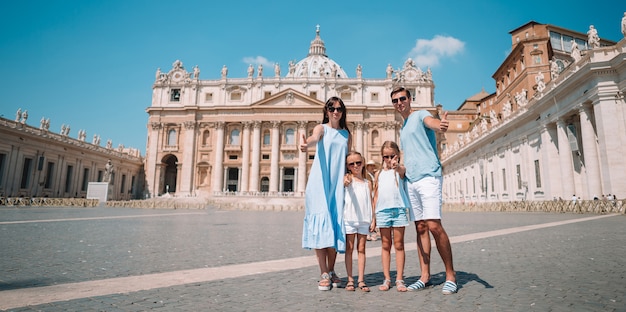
(323, 221)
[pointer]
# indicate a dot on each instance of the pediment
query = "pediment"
(288, 99)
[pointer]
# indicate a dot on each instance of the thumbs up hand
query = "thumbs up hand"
(444, 123)
(303, 144)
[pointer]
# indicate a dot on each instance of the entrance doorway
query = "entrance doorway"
(288, 178)
(171, 170)
(233, 179)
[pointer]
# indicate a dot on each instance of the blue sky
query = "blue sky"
(91, 63)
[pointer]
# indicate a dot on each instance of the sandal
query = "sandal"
(324, 283)
(385, 285)
(350, 286)
(400, 285)
(335, 279)
(363, 287)
(419, 285)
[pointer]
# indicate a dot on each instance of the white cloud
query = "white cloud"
(428, 53)
(256, 60)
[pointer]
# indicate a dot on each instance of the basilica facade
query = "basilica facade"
(241, 134)
(555, 128)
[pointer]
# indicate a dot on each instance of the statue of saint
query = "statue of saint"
(18, 115)
(196, 72)
(108, 170)
(250, 71)
(359, 71)
(276, 70)
(292, 68)
(554, 70)
(224, 71)
(24, 116)
(389, 71)
(541, 84)
(575, 52)
(592, 37)
(260, 70)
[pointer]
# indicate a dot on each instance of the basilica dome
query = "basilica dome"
(316, 64)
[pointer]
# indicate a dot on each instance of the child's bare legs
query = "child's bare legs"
(361, 241)
(398, 243)
(385, 234)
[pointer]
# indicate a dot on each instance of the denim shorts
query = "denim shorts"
(391, 217)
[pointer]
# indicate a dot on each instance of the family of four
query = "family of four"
(342, 207)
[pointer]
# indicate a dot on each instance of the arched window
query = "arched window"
(375, 138)
(290, 137)
(171, 137)
(206, 138)
(234, 137)
(266, 137)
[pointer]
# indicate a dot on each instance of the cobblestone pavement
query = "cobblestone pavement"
(212, 260)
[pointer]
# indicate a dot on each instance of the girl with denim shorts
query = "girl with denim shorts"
(391, 205)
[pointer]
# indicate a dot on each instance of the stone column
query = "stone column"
(256, 154)
(590, 153)
(187, 172)
(275, 157)
(218, 165)
(549, 164)
(245, 162)
(565, 160)
(358, 126)
(302, 158)
(152, 174)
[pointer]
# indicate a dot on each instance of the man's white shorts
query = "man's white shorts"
(425, 197)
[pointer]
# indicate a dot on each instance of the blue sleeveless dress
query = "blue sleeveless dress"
(324, 195)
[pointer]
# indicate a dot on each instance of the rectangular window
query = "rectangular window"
(2, 161)
(555, 41)
(313, 94)
(374, 96)
(175, 95)
(518, 169)
(265, 157)
(49, 176)
(267, 94)
(123, 184)
(208, 97)
(266, 138)
(503, 179)
(235, 96)
(346, 96)
(232, 157)
(132, 185)
(537, 174)
(492, 184)
(26, 169)
(68, 178)
(100, 173)
(83, 186)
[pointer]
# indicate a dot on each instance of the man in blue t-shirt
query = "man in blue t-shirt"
(423, 172)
